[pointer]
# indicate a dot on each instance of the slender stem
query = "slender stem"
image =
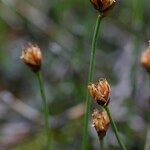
(147, 140)
(114, 127)
(45, 109)
(101, 141)
(147, 143)
(90, 77)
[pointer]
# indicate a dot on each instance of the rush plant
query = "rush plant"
(32, 57)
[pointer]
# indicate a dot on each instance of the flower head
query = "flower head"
(145, 59)
(101, 122)
(103, 6)
(100, 92)
(32, 57)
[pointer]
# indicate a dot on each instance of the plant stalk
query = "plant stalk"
(114, 127)
(101, 141)
(45, 110)
(90, 77)
(147, 143)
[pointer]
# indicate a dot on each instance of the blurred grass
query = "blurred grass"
(33, 143)
(66, 138)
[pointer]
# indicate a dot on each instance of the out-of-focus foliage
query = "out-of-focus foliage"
(64, 29)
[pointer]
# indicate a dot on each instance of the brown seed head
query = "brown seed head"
(145, 59)
(100, 122)
(100, 92)
(32, 57)
(103, 6)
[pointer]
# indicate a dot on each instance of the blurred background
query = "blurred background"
(63, 29)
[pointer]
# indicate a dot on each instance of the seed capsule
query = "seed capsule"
(100, 92)
(101, 122)
(145, 59)
(103, 6)
(32, 57)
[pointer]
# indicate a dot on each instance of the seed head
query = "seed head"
(145, 59)
(100, 92)
(103, 6)
(32, 57)
(101, 122)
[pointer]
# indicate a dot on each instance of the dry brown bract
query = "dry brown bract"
(145, 59)
(100, 92)
(103, 6)
(101, 122)
(32, 57)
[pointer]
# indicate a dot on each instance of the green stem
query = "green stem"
(45, 109)
(90, 77)
(147, 143)
(101, 141)
(114, 127)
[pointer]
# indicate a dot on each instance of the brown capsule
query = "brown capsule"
(145, 59)
(103, 6)
(101, 122)
(32, 57)
(100, 92)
